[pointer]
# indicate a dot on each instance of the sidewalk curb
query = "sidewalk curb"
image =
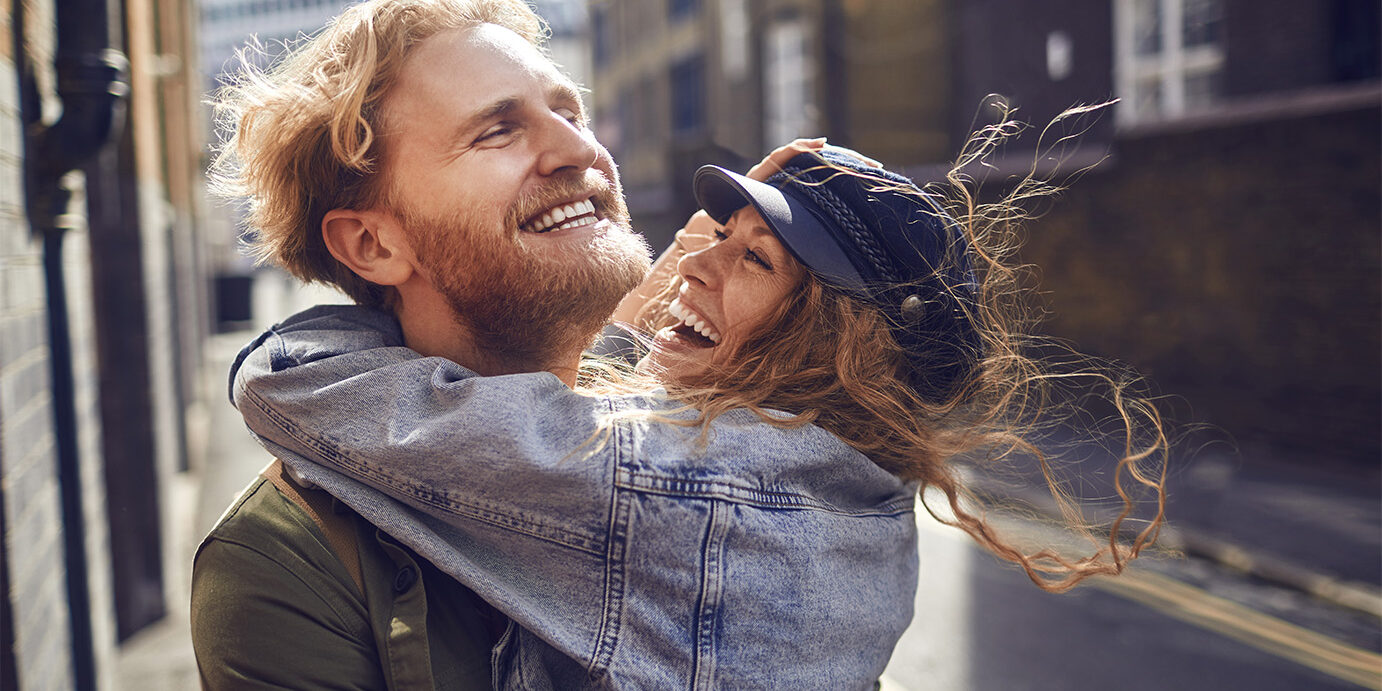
(1273, 569)
(1359, 597)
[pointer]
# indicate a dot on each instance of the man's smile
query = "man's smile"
(563, 217)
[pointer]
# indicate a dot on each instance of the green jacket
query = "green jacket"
(274, 606)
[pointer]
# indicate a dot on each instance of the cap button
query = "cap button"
(913, 309)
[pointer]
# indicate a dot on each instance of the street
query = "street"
(981, 625)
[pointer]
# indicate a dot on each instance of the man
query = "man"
(425, 157)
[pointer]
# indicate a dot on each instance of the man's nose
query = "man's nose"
(566, 146)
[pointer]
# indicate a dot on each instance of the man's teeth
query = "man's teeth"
(693, 320)
(563, 217)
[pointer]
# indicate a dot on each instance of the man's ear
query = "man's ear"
(370, 243)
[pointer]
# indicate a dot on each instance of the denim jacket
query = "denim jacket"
(628, 555)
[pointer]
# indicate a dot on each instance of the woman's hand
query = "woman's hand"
(698, 233)
(773, 162)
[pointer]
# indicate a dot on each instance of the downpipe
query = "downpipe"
(92, 84)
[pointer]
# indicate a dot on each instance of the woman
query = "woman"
(838, 344)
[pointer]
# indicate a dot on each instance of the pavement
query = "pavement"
(1308, 523)
(1308, 526)
(223, 460)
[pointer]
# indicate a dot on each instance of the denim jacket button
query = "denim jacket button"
(405, 578)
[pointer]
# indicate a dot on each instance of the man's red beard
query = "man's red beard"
(527, 303)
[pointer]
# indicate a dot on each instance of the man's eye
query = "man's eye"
(572, 116)
(495, 133)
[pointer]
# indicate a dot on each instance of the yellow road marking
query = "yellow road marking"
(1198, 607)
(1267, 633)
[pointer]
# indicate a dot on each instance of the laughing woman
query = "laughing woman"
(826, 340)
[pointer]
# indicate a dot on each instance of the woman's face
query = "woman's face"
(729, 289)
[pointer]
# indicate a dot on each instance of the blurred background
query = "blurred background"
(1228, 245)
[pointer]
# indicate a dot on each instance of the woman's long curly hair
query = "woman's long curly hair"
(831, 360)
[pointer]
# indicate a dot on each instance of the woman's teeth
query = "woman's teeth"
(693, 320)
(563, 217)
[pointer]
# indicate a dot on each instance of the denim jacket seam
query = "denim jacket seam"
(616, 549)
(711, 591)
(653, 483)
(329, 449)
(277, 350)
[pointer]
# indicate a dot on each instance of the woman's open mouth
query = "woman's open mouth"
(694, 329)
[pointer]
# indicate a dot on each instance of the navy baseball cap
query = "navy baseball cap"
(873, 234)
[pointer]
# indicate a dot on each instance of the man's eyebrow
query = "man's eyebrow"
(566, 91)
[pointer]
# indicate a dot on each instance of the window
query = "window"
(688, 95)
(1170, 57)
(1059, 55)
(625, 116)
(788, 76)
(602, 48)
(734, 38)
(679, 9)
(1355, 40)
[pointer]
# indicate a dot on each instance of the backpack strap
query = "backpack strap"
(320, 506)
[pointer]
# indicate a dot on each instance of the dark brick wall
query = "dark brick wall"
(1000, 48)
(1238, 266)
(896, 72)
(1275, 45)
(1281, 45)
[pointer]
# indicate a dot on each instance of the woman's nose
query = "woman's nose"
(700, 267)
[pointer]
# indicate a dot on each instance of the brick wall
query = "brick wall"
(28, 472)
(28, 467)
(1238, 265)
(897, 77)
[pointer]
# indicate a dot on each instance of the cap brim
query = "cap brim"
(721, 192)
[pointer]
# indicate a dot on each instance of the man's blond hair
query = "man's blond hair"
(302, 138)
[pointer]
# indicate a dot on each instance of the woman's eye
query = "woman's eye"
(720, 235)
(755, 258)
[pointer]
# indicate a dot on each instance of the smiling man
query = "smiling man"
(425, 157)
(502, 230)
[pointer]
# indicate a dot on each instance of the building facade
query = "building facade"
(682, 83)
(102, 304)
(1227, 243)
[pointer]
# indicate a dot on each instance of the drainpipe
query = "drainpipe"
(92, 85)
